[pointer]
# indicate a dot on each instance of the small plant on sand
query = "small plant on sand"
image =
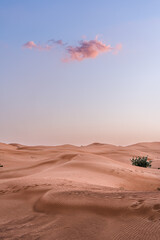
(141, 162)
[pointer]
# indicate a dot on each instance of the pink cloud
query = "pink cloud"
(86, 49)
(32, 45)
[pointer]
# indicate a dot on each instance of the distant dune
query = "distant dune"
(79, 193)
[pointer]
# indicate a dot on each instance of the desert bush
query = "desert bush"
(141, 162)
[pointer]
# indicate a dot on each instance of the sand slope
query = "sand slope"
(87, 192)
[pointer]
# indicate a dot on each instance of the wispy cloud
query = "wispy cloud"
(32, 45)
(117, 48)
(56, 42)
(85, 49)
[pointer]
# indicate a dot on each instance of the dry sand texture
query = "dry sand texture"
(79, 193)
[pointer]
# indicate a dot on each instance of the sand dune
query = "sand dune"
(87, 192)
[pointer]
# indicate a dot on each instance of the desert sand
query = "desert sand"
(79, 193)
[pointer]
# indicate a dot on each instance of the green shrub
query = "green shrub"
(141, 162)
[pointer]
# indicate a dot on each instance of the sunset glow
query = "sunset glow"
(79, 72)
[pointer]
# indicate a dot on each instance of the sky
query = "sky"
(78, 72)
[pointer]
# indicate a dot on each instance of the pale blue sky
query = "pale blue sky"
(112, 98)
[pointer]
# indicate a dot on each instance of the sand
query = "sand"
(82, 193)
